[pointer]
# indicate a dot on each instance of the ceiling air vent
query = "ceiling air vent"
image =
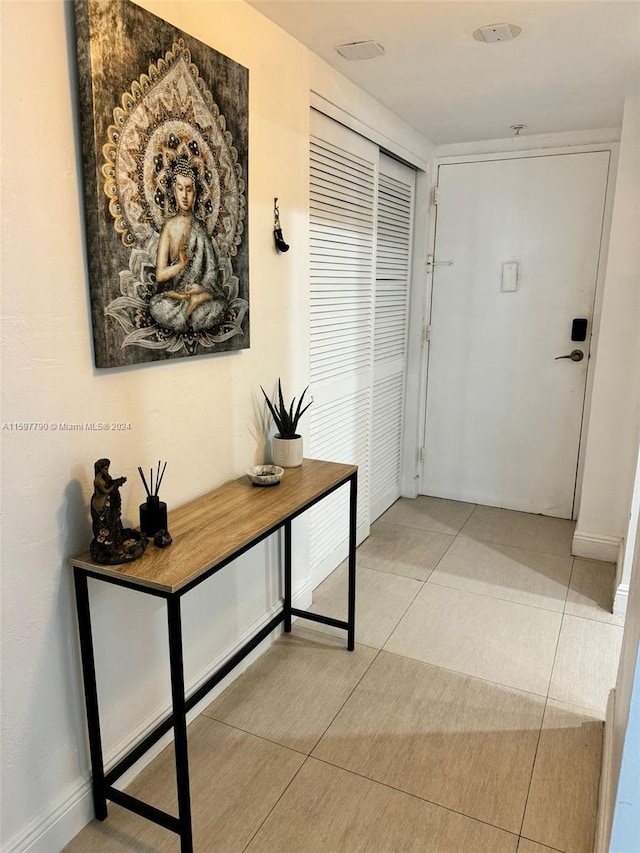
(497, 32)
(360, 50)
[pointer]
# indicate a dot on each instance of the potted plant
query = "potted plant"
(286, 443)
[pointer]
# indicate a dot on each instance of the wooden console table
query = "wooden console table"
(208, 533)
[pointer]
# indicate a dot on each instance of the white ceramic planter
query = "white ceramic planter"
(286, 452)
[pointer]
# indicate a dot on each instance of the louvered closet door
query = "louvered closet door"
(396, 191)
(343, 187)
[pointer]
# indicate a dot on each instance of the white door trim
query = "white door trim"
(470, 157)
(543, 151)
(323, 105)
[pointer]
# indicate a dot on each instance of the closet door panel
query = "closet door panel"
(361, 223)
(394, 232)
(343, 198)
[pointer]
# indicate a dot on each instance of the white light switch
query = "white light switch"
(510, 275)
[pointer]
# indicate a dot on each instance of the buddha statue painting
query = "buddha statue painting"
(187, 262)
(175, 191)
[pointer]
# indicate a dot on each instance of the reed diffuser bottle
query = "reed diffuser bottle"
(153, 512)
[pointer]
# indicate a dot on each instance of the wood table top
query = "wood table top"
(213, 527)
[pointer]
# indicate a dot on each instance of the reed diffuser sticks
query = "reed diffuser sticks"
(151, 492)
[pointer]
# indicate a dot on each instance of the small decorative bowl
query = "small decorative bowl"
(265, 475)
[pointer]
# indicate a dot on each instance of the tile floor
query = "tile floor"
(468, 719)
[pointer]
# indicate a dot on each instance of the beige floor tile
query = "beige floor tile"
(381, 601)
(327, 810)
(591, 591)
(526, 846)
(512, 574)
(236, 779)
(563, 798)
(436, 514)
(521, 530)
(502, 641)
(294, 690)
(586, 663)
(459, 742)
(403, 550)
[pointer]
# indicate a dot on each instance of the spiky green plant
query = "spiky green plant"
(286, 419)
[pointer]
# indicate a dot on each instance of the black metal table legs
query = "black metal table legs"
(91, 694)
(103, 783)
(102, 790)
(179, 723)
(350, 625)
(353, 525)
(287, 577)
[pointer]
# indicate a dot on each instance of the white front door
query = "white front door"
(516, 261)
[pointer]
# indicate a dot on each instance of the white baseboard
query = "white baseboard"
(336, 556)
(593, 546)
(324, 568)
(303, 596)
(74, 810)
(55, 829)
(622, 590)
(620, 600)
(605, 796)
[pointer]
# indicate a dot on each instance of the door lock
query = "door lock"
(574, 355)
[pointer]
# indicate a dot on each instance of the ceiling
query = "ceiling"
(570, 69)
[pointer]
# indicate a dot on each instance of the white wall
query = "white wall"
(625, 830)
(620, 800)
(201, 414)
(614, 424)
(625, 733)
(619, 804)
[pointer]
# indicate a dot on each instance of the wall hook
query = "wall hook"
(281, 246)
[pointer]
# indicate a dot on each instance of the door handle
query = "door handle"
(574, 355)
(431, 263)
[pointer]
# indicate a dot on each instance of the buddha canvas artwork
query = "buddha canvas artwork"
(165, 151)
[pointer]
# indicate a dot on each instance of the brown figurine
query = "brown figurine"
(112, 543)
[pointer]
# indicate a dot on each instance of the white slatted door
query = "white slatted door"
(396, 191)
(343, 186)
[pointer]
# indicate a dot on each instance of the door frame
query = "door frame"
(475, 154)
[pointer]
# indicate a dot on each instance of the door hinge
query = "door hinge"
(421, 455)
(427, 333)
(435, 195)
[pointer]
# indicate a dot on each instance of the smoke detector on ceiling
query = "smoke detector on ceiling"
(497, 32)
(360, 50)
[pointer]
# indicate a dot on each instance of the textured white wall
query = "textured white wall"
(201, 414)
(614, 423)
(626, 732)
